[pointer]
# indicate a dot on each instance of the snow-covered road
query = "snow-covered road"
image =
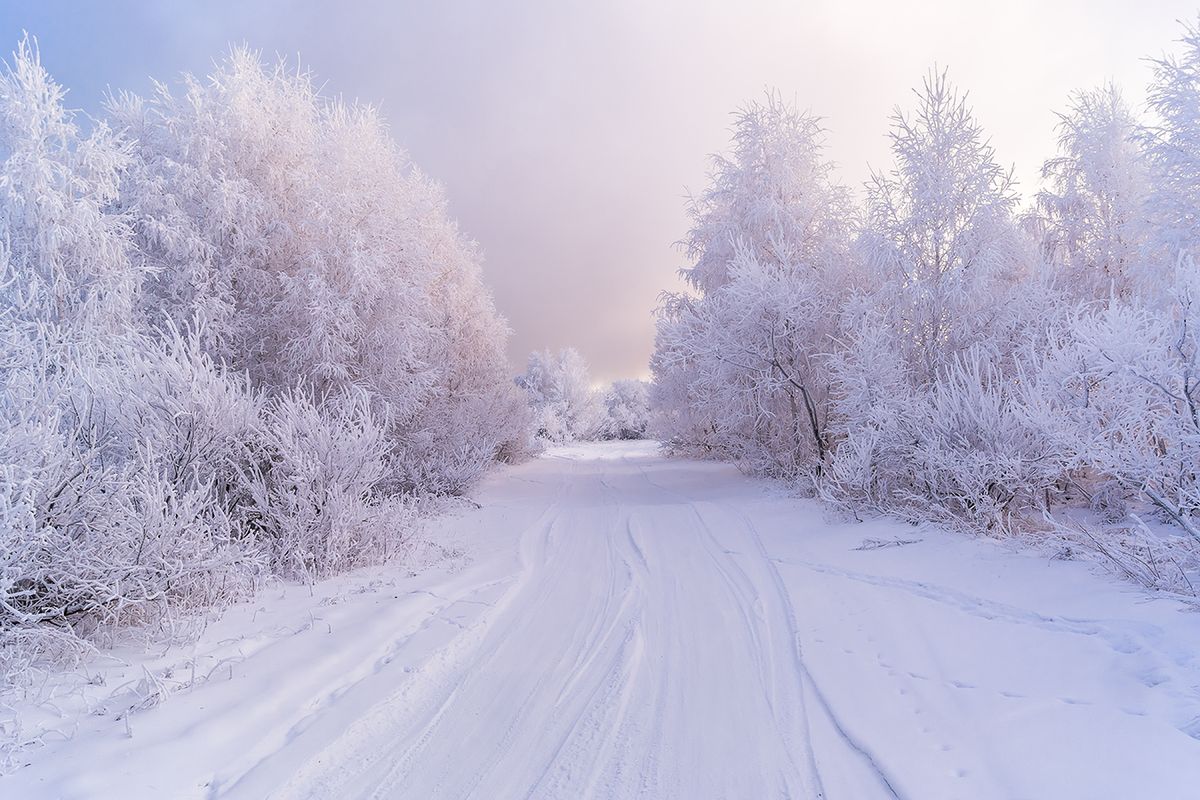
(635, 627)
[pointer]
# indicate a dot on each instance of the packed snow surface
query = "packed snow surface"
(624, 625)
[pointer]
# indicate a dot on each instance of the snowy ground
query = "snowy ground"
(629, 626)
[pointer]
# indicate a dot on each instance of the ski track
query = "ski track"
(666, 629)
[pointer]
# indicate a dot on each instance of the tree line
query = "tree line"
(240, 337)
(938, 350)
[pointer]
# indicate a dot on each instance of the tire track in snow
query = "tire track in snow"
(348, 756)
(621, 638)
(810, 683)
(603, 714)
(610, 668)
(795, 733)
(992, 611)
(808, 688)
(523, 740)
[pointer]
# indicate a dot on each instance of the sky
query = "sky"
(569, 134)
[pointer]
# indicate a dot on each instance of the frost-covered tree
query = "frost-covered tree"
(939, 239)
(628, 405)
(1126, 376)
(66, 285)
(238, 338)
(115, 452)
(51, 298)
(738, 366)
(926, 393)
(943, 366)
(271, 215)
(763, 197)
(1093, 205)
(559, 390)
(473, 414)
(67, 260)
(316, 256)
(1172, 143)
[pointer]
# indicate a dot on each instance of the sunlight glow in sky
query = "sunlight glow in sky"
(568, 134)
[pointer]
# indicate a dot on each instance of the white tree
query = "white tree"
(236, 339)
(270, 214)
(1093, 206)
(559, 389)
(945, 366)
(317, 256)
(117, 453)
(68, 260)
(929, 399)
(1172, 143)
(628, 405)
(738, 368)
(940, 239)
(65, 286)
(765, 197)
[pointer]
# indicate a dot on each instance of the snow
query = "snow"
(625, 625)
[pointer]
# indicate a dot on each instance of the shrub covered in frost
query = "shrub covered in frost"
(942, 355)
(240, 337)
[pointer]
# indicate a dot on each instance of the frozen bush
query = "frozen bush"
(1139, 399)
(981, 452)
(241, 338)
(127, 503)
(322, 493)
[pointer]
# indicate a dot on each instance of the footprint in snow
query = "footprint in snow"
(1152, 677)
(1192, 729)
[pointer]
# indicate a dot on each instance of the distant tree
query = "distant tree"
(559, 389)
(628, 405)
